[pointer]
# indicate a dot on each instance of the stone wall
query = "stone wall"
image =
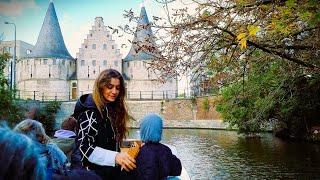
(190, 109)
(180, 113)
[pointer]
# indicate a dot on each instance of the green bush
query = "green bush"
(250, 103)
(273, 90)
(47, 116)
(9, 108)
(206, 104)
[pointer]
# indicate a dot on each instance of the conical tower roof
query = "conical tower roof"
(50, 43)
(143, 45)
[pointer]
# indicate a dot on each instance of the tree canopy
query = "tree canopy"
(221, 34)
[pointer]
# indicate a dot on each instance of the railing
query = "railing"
(152, 95)
(44, 96)
(62, 96)
(131, 95)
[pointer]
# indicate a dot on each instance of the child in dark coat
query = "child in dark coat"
(155, 161)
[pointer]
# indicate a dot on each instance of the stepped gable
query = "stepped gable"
(144, 37)
(50, 43)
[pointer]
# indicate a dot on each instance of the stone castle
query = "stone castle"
(49, 72)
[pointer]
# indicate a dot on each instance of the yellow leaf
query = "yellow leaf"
(253, 30)
(241, 36)
(271, 26)
(243, 43)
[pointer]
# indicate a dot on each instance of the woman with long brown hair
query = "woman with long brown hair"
(102, 124)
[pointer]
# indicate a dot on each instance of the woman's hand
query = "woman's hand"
(125, 161)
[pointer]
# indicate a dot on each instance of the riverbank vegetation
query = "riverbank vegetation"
(9, 109)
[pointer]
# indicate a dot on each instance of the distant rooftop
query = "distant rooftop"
(50, 43)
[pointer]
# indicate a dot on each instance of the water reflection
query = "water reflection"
(215, 154)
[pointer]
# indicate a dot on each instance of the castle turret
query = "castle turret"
(50, 43)
(142, 81)
(49, 71)
(143, 41)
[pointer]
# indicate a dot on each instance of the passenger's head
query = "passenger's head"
(151, 128)
(32, 129)
(17, 157)
(32, 113)
(69, 124)
(109, 87)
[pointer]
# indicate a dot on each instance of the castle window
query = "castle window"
(54, 61)
(8, 49)
(82, 63)
(104, 46)
(105, 62)
(86, 46)
(45, 61)
(112, 46)
(93, 62)
(144, 64)
(93, 46)
(128, 64)
(116, 63)
(63, 62)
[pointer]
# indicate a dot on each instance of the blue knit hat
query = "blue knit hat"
(151, 128)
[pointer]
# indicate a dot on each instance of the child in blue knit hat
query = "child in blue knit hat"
(155, 160)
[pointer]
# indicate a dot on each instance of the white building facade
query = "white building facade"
(97, 53)
(22, 50)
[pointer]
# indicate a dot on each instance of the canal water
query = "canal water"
(219, 154)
